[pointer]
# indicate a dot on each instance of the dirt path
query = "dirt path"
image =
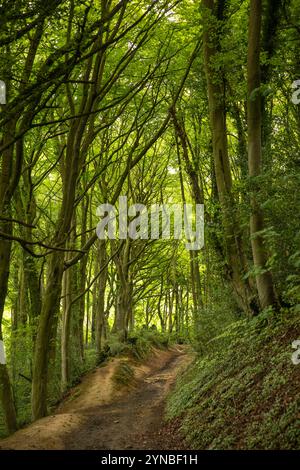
(97, 416)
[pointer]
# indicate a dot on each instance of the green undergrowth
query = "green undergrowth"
(123, 375)
(139, 345)
(244, 393)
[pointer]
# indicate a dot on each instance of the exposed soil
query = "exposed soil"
(96, 415)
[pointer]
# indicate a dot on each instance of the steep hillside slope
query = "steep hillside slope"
(245, 392)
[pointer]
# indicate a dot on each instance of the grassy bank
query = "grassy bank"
(244, 393)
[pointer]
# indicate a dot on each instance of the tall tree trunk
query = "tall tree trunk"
(82, 279)
(170, 310)
(198, 197)
(6, 193)
(67, 289)
(45, 335)
(100, 303)
(124, 296)
(263, 277)
(6, 395)
(10, 173)
(236, 259)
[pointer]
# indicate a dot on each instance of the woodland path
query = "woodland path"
(97, 416)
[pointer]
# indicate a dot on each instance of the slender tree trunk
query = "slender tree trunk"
(233, 241)
(45, 336)
(159, 310)
(170, 311)
(94, 313)
(82, 279)
(6, 395)
(124, 297)
(264, 280)
(10, 173)
(100, 303)
(198, 197)
(66, 328)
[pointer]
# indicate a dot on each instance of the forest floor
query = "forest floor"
(244, 393)
(100, 414)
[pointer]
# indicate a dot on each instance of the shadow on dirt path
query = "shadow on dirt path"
(95, 416)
